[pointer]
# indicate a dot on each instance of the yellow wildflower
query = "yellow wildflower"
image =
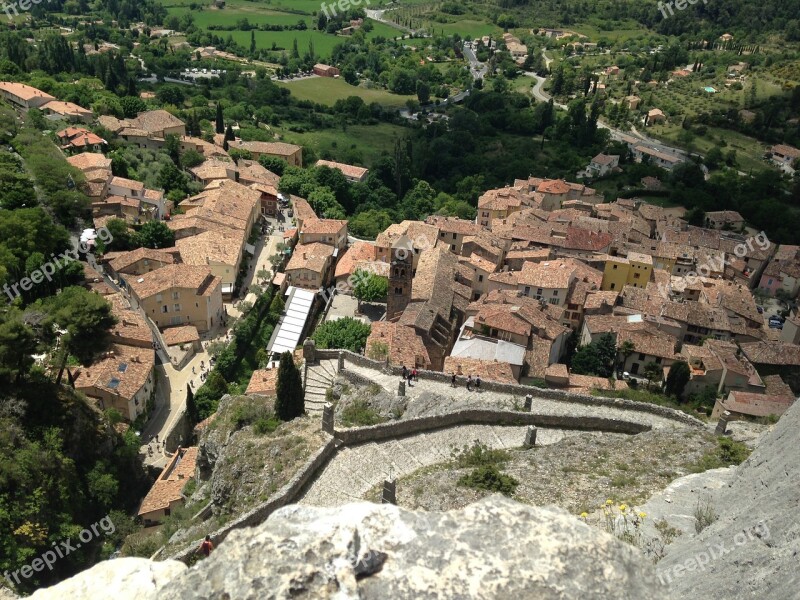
(623, 507)
(609, 502)
(584, 515)
(642, 515)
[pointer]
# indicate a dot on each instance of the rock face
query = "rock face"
(496, 548)
(121, 579)
(752, 550)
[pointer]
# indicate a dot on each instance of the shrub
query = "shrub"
(479, 455)
(488, 477)
(359, 413)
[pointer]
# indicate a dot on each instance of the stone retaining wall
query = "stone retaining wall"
(286, 495)
(523, 390)
(373, 433)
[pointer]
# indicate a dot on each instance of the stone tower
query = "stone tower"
(401, 271)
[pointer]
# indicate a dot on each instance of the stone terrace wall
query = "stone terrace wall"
(359, 435)
(523, 390)
(286, 495)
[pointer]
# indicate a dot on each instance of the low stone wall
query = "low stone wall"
(359, 435)
(523, 390)
(286, 495)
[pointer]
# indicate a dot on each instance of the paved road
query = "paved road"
(377, 15)
(477, 68)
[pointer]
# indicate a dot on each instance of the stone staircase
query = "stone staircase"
(320, 378)
(357, 469)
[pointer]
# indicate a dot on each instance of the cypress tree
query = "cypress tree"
(192, 413)
(290, 402)
(220, 128)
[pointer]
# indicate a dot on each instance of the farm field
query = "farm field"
(357, 144)
(326, 90)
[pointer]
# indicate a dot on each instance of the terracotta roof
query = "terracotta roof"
(585, 239)
(757, 405)
(348, 170)
(185, 334)
(155, 121)
(198, 279)
(25, 92)
(323, 226)
(553, 186)
(168, 488)
(269, 148)
(548, 274)
(89, 160)
(263, 382)
(487, 370)
(122, 260)
(404, 346)
(131, 325)
(360, 251)
(302, 209)
(127, 183)
(313, 257)
(253, 171)
(66, 108)
(649, 343)
(213, 169)
(222, 245)
(121, 371)
(501, 199)
(227, 198)
(422, 235)
(772, 353)
(785, 150)
(453, 225)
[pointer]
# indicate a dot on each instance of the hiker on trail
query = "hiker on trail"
(405, 372)
(478, 383)
(206, 546)
(469, 383)
(453, 380)
(409, 379)
(414, 374)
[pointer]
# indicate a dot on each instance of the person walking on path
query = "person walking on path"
(453, 380)
(478, 383)
(414, 374)
(206, 546)
(405, 372)
(469, 383)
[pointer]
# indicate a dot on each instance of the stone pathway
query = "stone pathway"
(463, 399)
(357, 469)
(320, 378)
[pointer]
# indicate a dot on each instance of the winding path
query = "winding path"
(355, 470)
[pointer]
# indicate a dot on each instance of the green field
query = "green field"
(272, 14)
(357, 144)
(326, 90)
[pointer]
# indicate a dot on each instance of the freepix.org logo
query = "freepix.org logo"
(20, 5)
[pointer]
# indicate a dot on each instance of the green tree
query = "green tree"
(271, 163)
(84, 317)
(586, 361)
(342, 334)
(220, 121)
(653, 372)
(369, 287)
(171, 178)
(679, 375)
(156, 234)
(290, 402)
(132, 106)
(192, 412)
(192, 158)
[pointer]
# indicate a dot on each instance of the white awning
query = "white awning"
(291, 325)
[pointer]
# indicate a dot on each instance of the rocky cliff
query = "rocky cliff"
(496, 548)
(753, 549)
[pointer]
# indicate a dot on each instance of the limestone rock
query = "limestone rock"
(496, 548)
(120, 579)
(752, 550)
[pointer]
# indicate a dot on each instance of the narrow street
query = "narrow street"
(172, 382)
